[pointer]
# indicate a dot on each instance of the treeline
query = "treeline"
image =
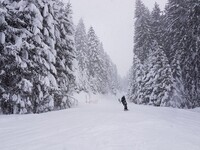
(97, 72)
(38, 57)
(166, 63)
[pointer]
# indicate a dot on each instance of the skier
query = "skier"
(123, 100)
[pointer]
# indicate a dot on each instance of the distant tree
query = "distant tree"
(82, 52)
(94, 60)
(103, 74)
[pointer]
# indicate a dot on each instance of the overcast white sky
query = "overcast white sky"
(113, 22)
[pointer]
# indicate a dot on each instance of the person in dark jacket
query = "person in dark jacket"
(123, 100)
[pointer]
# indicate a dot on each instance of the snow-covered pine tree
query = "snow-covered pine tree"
(166, 41)
(5, 106)
(156, 24)
(104, 88)
(182, 19)
(112, 76)
(29, 77)
(173, 24)
(158, 87)
(128, 82)
(180, 97)
(15, 75)
(192, 48)
(135, 80)
(94, 60)
(152, 80)
(142, 36)
(180, 42)
(82, 56)
(65, 48)
(142, 42)
(99, 74)
(81, 44)
(43, 54)
(108, 65)
(115, 84)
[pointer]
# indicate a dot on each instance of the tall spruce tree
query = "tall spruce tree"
(65, 48)
(175, 57)
(156, 25)
(135, 80)
(16, 77)
(82, 56)
(142, 36)
(94, 60)
(183, 31)
(97, 72)
(192, 62)
(29, 75)
(158, 83)
(152, 77)
(103, 71)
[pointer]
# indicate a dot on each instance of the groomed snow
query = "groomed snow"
(101, 124)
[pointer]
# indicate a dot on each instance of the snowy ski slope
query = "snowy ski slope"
(103, 125)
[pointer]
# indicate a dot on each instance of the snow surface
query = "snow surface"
(2, 37)
(99, 123)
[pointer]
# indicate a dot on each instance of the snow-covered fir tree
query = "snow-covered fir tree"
(29, 76)
(42, 54)
(16, 76)
(135, 80)
(182, 19)
(94, 60)
(82, 56)
(113, 83)
(98, 70)
(97, 73)
(170, 74)
(114, 79)
(157, 84)
(103, 74)
(142, 36)
(65, 48)
(157, 24)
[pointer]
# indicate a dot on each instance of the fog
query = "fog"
(113, 21)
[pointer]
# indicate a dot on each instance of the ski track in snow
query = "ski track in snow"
(102, 125)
